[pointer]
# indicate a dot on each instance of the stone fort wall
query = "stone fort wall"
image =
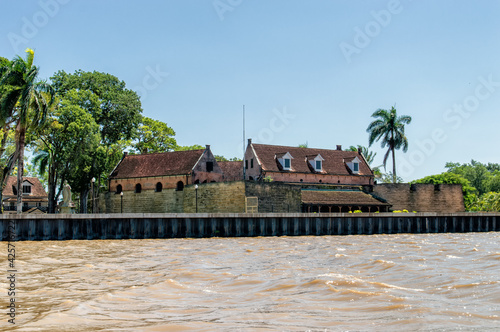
(230, 197)
(422, 197)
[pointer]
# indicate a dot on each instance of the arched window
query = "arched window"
(119, 188)
(138, 188)
(180, 186)
(159, 187)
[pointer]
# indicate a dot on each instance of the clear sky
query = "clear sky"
(306, 71)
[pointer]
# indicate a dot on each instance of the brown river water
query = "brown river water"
(405, 282)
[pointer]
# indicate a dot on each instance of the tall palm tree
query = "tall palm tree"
(389, 127)
(27, 101)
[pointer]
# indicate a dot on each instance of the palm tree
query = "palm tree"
(27, 102)
(391, 129)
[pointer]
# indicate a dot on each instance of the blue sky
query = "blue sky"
(306, 71)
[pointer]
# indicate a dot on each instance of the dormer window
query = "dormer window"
(285, 160)
(26, 188)
(316, 162)
(354, 165)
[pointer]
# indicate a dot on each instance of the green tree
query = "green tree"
(117, 112)
(389, 127)
(154, 136)
(484, 178)
(190, 147)
(487, 202)
(388, 178)
(66, 149)
(304, 145)
(27, 101)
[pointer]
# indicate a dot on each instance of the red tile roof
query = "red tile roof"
(157, 164)
(232, 170)
(324, 197)
(334, 160)
(37, 189)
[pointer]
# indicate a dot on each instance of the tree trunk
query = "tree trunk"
(52, 192)
(393, 167)
(20, 167)
(83, 201)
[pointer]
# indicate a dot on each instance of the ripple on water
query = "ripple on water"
(399, 282)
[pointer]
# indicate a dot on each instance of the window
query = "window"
(285, 160)
(286, 163)
(210, 166)
(180, 186)
(246, 164)
(26, 189)
(138, 188)
(251, 163)
(318, 165)
(119, 188)
(14, 190)
(159, 187)
(355, 167)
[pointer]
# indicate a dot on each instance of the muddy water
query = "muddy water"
(426, 282)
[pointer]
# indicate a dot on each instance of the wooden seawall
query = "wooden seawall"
(147, 226)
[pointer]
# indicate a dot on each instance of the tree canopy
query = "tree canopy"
(154, 136)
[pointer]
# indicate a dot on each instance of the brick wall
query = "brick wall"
(319, 178)
(275, 197)
(224, 197)
(148, 201)
(149, 183)
(422, 197)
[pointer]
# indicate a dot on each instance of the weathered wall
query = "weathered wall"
(219, 197)
(148, 201)
(275, 197)
(223, 197)
(201, 173)
(147, 226)
(149, 183)
(319, 178)
(422, 197)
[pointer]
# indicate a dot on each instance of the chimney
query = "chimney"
(339, 147)
(360, 151)
(208, 147)
(249, 141)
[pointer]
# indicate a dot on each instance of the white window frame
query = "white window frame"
(283, 159)
(315, 160)
(29, 185)
(356, 161)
